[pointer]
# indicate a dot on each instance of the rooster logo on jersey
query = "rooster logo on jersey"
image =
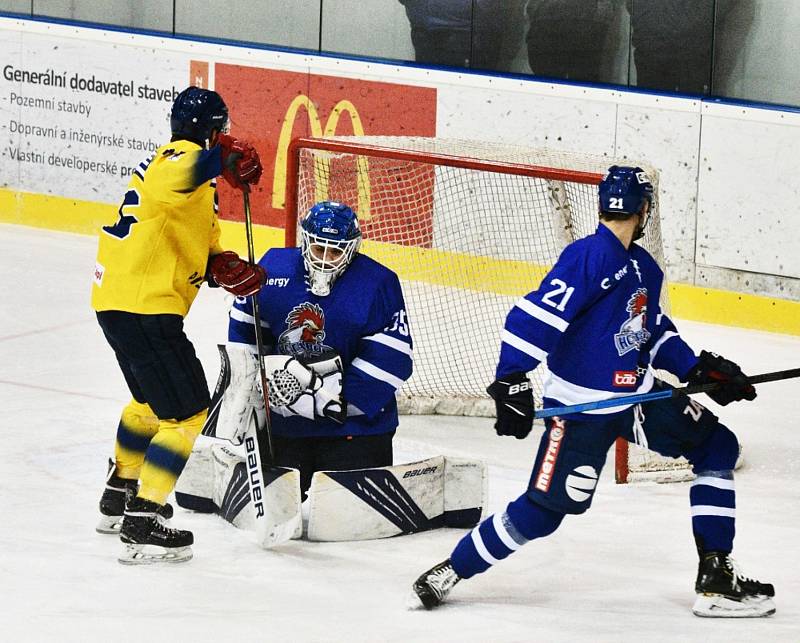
(305, 330)
(633, 332)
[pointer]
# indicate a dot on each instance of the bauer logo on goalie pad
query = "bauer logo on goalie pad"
(255, 475)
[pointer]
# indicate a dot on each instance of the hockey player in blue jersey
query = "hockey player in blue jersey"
(338, 320)
(596, 320)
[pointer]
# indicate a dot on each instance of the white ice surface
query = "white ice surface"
(622, 572)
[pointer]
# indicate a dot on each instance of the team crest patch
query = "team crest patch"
(99, 271)
(632, 334)
(305, 330)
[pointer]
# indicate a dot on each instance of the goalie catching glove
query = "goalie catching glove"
(310, 386)
(513, 396)
(733, 385)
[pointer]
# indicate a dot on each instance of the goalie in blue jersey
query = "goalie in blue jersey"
(335, 323)
(596, 320)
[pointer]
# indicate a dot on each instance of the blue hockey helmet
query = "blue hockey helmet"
(330, 240)
(624, 191)
(196, 112)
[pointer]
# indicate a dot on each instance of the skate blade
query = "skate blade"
(717, 606)
(109, 525)
(153, 554)
(414, 602)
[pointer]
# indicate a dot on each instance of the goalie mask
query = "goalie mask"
(330, 240)
(623, 193)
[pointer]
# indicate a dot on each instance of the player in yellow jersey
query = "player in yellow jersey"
(150, 265)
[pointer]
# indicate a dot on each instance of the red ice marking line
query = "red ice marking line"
(56, 390)
(39, 331)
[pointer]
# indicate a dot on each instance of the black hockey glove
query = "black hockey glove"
(513, 396)
(733, 384)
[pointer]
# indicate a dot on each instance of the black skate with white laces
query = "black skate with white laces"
(118, 491)
(723, 592)
(434, 585)
(148, 539)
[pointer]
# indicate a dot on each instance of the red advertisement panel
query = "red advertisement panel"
(270, 107)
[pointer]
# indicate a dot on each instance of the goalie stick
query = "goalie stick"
(658, 395)
(270, 530)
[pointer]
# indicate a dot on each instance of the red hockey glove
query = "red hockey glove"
(235, 275)
(240, 162)
(513, 397)
(733, 384)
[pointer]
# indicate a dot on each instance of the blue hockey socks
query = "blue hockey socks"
(501, 534)
(713, 495)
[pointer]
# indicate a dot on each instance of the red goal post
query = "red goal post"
(469, 227)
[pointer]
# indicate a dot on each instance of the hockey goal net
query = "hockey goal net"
(469, 227)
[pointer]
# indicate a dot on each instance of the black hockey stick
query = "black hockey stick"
(262, 371)
(658, 395)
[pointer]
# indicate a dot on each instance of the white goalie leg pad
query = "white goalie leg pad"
(365, 504)
(279, 506)
(194, 489)
(465, 492)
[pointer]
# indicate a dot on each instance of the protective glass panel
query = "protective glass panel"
(16, 6)
(756, 50)
(377, 29)
(153, 15)
(270, 22)
(672, 45)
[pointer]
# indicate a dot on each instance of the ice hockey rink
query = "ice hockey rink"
(622, 572)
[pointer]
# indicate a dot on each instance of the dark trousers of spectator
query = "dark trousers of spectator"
(679, 68)
(452, 48)
(567, 49)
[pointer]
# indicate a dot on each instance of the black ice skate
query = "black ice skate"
(148, 539)
(723, 592)
(434, 585)
(112, 503)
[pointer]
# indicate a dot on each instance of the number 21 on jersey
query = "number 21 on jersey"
(558, 296)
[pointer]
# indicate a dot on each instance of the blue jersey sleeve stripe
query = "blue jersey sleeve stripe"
(377, 373)
(391, 342)
(664, 338)
(241, 316)
(542, 315)
(521, 345)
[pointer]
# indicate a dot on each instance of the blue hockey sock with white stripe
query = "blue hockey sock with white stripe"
(501, 534)
(713, 500)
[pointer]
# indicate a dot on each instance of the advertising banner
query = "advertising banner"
(77, 117)
(270, 107)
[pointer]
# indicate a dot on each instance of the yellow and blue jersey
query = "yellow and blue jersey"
(153, 259)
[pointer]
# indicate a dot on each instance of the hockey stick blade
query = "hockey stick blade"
(659, 395)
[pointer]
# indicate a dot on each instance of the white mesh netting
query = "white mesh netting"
(466, 243)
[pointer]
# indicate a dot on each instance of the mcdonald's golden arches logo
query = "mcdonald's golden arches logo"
(322, 168)
(270, 107)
